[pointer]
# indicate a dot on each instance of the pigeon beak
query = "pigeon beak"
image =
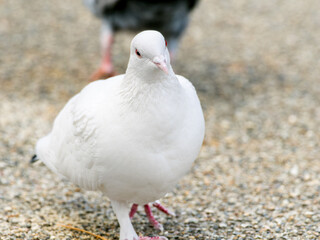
(161, 63)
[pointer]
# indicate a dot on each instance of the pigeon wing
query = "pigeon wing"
(69, 149)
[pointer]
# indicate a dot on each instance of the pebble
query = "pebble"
(256, 72)
(191, 220)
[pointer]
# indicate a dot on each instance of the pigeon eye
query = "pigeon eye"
(138, 53)
(166, 43)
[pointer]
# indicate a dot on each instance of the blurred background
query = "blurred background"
(256, 67)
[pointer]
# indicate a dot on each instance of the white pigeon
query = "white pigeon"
(132, 136)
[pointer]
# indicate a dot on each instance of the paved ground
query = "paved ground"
(256, 65)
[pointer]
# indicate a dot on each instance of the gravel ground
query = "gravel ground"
(256, 65)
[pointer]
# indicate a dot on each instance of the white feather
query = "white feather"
(132, 136)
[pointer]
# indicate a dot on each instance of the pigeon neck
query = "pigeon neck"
(149, 76)
(140, 80)
(140, 91)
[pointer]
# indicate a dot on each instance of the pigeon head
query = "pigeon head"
(149, 53)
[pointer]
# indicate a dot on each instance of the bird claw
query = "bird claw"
(158, 205)
(150, 216)
(158, 226)
(153, 238)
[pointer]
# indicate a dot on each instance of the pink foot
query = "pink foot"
(153, 238)
(158, 205)
(151, 218)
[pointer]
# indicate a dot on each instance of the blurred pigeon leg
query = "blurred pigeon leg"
(106, 68)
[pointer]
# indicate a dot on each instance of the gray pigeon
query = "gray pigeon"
(170, 17)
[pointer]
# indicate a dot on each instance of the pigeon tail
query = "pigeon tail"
(34, 158)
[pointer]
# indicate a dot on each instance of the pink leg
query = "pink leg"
(151, 218)
(133, 210)
(158, 205)
(106, 68)
(106, 64)
(153, 238)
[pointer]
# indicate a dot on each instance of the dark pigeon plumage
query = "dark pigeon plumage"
(170, 17)
(167, 16)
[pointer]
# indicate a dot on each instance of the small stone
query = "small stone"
(222, 225)
(294, 170)
(191, 220)
(309, 214)
(215, 226)
(292, 119)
